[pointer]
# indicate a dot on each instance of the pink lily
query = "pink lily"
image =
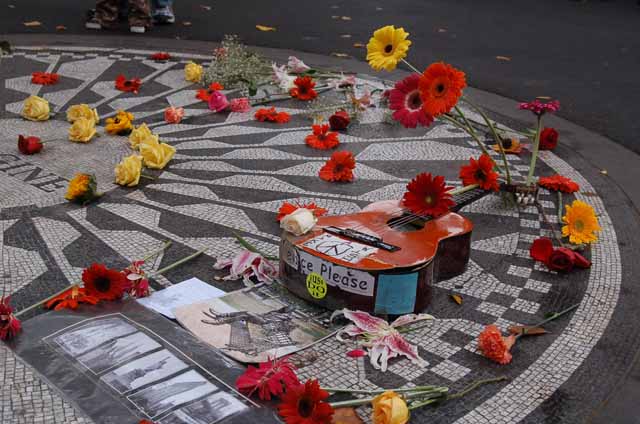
(282, 78)
(383, 339)
(342, 82)
(248, 264)
(297, 66)
(138, 285)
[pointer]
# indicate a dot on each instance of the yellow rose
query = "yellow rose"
(128, 171)
(76, 112)
(140, 134)
(82, 130)
(193, 72)
(156, 155)
(389, 408)
(121, 124)
(35, 109)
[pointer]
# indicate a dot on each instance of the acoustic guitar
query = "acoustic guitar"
(381, 260)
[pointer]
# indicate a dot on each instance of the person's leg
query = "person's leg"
(139, 15)
(106, 15)
(163, 12)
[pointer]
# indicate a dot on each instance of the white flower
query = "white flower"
(299, 222)
(296, 65)
(342, 82)
(282, 78)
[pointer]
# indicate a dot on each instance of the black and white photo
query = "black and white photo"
(209, 410)
(117, 351)
(89, 336)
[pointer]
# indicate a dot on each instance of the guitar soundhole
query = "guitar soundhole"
(406, 223)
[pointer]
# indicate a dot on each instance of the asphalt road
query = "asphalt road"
(584, 53)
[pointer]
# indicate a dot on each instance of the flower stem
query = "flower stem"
(534, 154)
(560, 207)
(551, 318)
(471, 132)
(463, 189)
(413, 68)
(371, 392)
(437, 392)
(177, 263)
(158, 251)
(251, 248)
(475, 385)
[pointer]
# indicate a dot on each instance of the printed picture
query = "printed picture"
(82, 339)
(206, 411)
(161, 397)
(143, 371)
(117, 351)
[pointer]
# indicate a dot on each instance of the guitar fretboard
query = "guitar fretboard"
(468, 197)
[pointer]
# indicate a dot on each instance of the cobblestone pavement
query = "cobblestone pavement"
(231, 173)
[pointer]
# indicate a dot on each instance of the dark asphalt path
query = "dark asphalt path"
(585, 53)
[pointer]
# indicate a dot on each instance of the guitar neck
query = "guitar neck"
(468, 197)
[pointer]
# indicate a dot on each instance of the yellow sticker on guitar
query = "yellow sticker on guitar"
(316, 286)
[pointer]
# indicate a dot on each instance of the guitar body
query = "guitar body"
(337, 272)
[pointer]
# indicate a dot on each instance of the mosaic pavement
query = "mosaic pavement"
(230, 174)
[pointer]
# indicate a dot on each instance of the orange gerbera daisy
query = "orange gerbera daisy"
(103, 283)
(510, 145)
(559, 183)
(272, 115)
(70, 299)
(428, 195)
(303, 89)
(480, 172)
(289, 208)
(440, 88)
(322, 138)
(339, 168)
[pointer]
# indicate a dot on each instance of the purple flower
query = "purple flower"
(539, 108)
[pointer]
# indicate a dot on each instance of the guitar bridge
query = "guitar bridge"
(363, 238)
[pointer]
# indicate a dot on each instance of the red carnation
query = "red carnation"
(548, 139)
(559, 183)
(494, 346)
(272, 115)
(44, 78)
(104, 283)
(270, 378)
(339, 120)
(29, 145)
(160, 56)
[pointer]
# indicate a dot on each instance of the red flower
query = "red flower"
(70, 299)
(548, 139)
(44, 78)
(356, 353)
(339, 168)
(303, 89)
(494, 346)
(203, 95)
(131, 85)
(160, 56)
(339, 120)
(558, 259)
(29, 145)
(215, 86)
(480, 172)
(321, 138)
(405, 100)
(271, 378)
(136, 284)
(9, 325)
(559, 183)
(539, 108)
(440, 88)
(427, 195)
(145, 422)
(303, 404)
(104, 283)
(289, 208)
(272, 115)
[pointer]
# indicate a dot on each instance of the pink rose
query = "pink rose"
(173, 115)
(240, 104)
(218, 101)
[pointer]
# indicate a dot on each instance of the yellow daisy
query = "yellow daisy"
(581, 223)
(387, 46)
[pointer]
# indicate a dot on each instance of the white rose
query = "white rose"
(299, 222)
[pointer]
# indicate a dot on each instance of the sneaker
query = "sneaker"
(93, 23)
(137, 29)
(164, 15)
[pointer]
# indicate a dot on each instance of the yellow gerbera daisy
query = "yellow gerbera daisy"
(582, 223)
(387, 46)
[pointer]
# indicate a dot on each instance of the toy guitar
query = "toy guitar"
(381, 260)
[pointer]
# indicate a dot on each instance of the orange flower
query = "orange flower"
(272, 115)
(559, 183)
(510, 145)
(321, 138)
(303, 89)
(480, 172)
(205, 93)
(440, 88)
(288, 208)
(494, 346)
(70, 299)
(339, 168)
(44, 78)
(214, 86)
(131, 85)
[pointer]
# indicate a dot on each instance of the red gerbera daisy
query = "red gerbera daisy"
(44, 78)
(321, 138)
(559, 183)
(427, 195)
(304, 89)
(160, 56)
(289, 208)
(303, 404)
(128, 85)
(405, 100)
(440, 88)
(339, 168)
(104, 283)
(271, 378)
(272, 115)
(480, 172)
